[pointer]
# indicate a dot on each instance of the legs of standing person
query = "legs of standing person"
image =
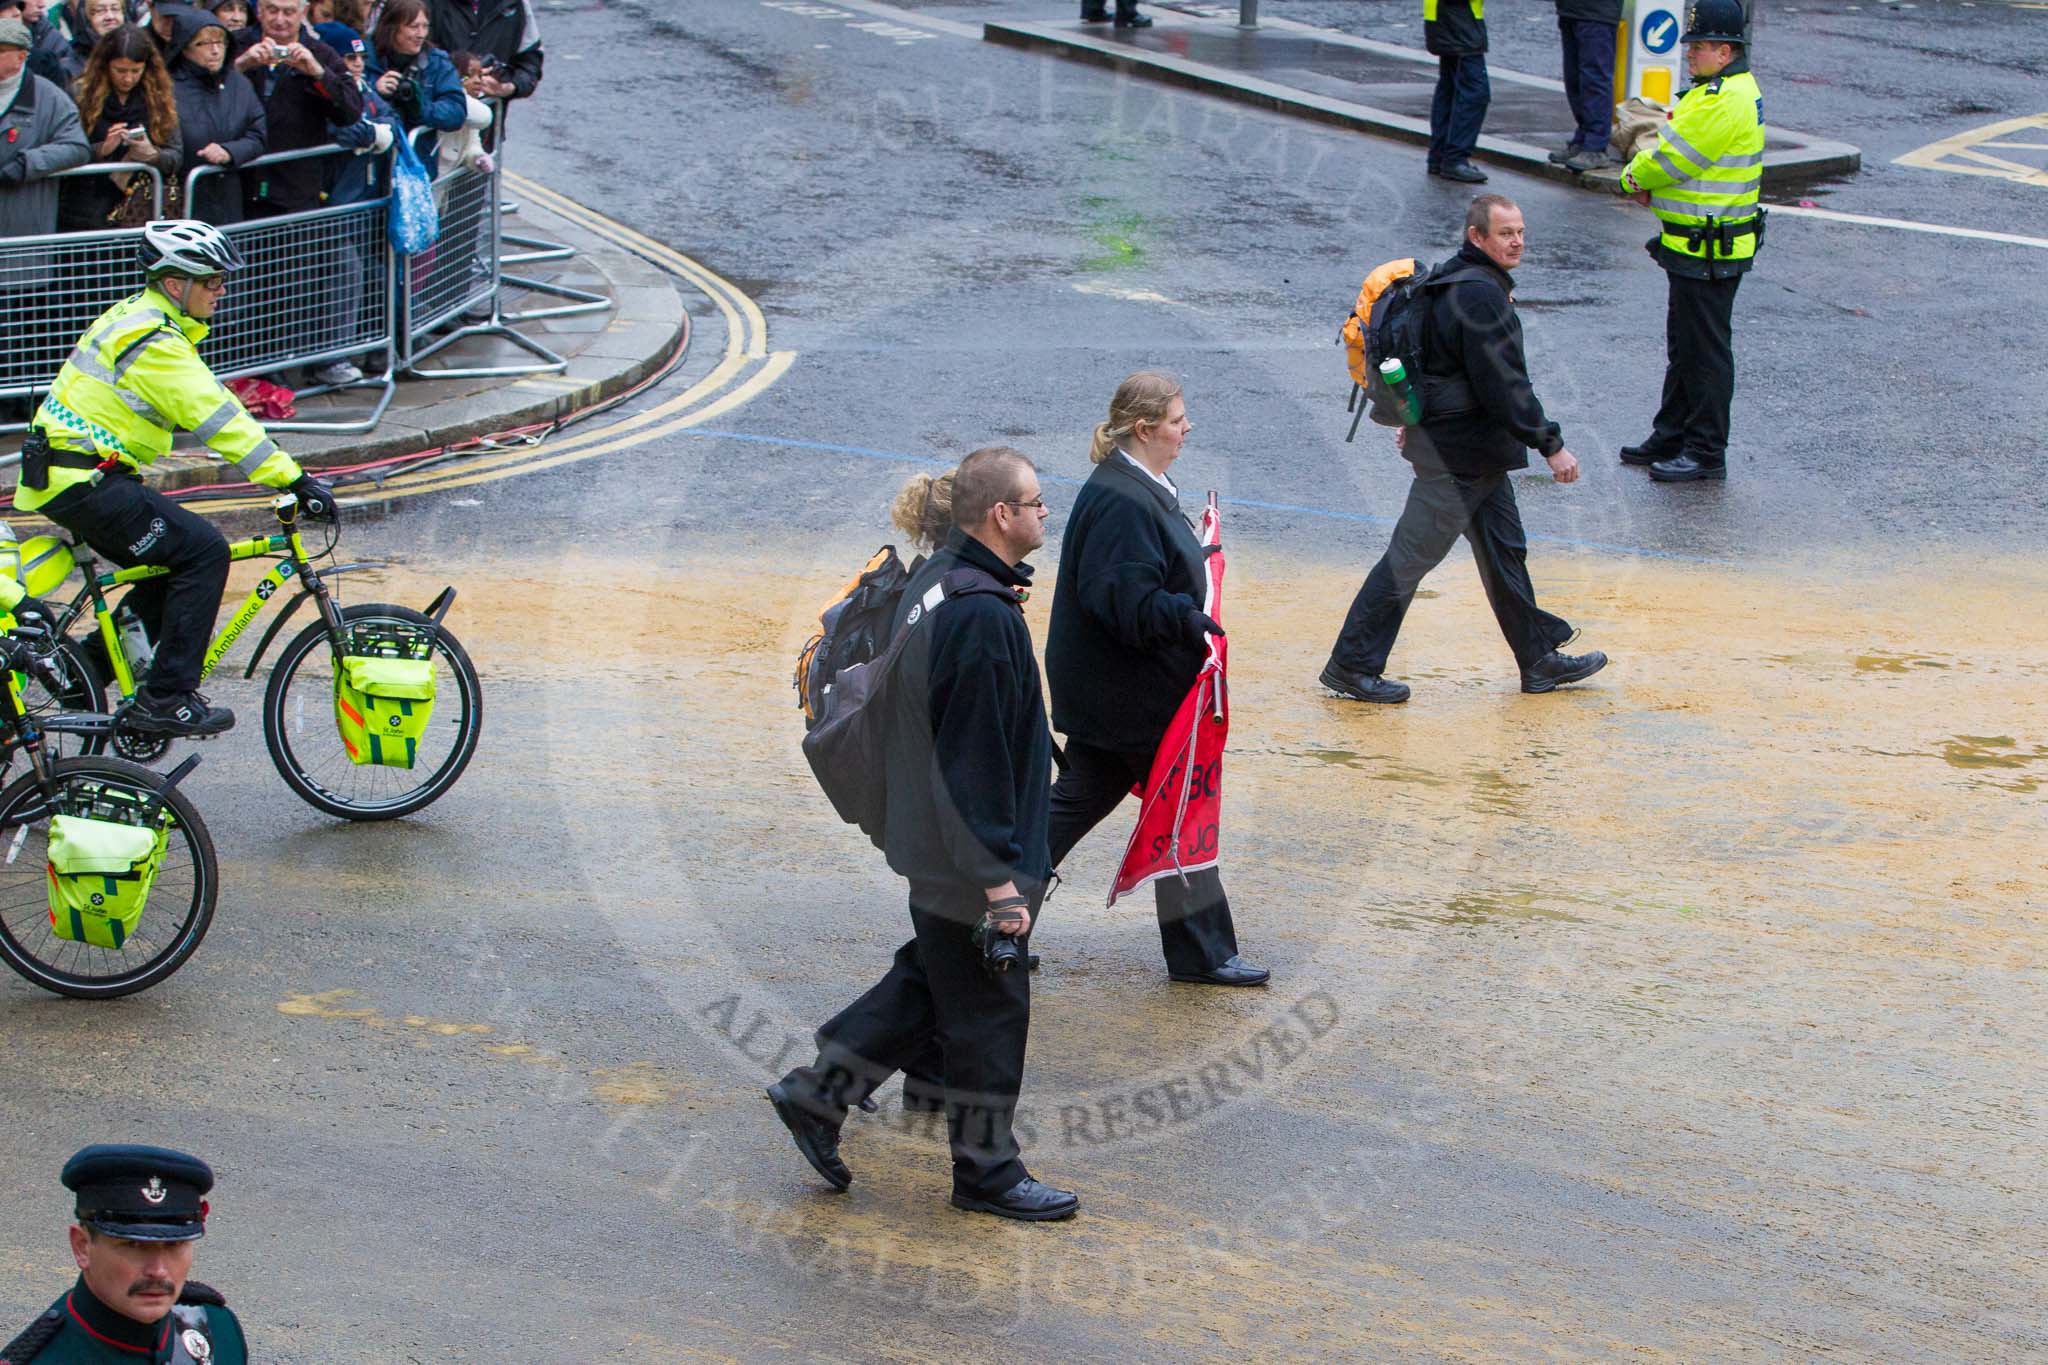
(131, 525)
(1590, 47)
(1674, 410)
(1704, 313)
(1429, 525)
(1468, 109)
(1500, 549)
(1568, 37)
(1440, 106)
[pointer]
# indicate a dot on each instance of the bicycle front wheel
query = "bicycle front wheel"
(180, 901)
(78, 686)
(299, 717)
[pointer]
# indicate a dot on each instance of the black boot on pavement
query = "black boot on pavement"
(1363, 686)
(1464, 172)
(1095, 15)
(1554, 670)
(1564, 153)
(1644, 454)
(815, 1137)
(175, 713)
(1026, 1200)
(1686, 469)
(1134, 21)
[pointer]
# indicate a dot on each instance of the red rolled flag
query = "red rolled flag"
(1180, 816)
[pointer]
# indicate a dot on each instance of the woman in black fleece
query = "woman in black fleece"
(1126, 639)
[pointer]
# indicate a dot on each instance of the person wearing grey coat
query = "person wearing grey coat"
(39, 135)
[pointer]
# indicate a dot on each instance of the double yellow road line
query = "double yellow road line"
(745, 369)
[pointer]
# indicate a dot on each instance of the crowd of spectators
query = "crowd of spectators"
(179, 84)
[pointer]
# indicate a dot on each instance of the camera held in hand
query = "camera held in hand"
(1000, 952)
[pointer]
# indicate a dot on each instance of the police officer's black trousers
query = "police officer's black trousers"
(1699, 370)
(1442, 507)
(132, 524)
(937, 1002)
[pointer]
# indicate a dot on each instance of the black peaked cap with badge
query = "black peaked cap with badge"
(142, 1194)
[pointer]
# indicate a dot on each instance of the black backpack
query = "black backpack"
(1390, 321)
(847, 746)
(852, 628)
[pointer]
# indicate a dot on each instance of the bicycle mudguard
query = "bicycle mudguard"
(263, 644)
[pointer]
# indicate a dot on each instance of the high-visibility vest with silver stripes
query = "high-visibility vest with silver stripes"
(132, 383)
(1707, 168)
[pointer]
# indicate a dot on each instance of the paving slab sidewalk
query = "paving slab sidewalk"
(1374, 87)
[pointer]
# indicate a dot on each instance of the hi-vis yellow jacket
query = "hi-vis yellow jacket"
(135, 380)
(1704, 175)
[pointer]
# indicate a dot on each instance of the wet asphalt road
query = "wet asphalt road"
(1691, 1015)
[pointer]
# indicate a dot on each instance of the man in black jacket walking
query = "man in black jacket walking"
(968, 777)
(1479, 416)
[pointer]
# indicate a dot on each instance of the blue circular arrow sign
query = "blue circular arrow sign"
(1660, 31)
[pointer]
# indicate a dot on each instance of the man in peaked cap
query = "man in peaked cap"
(140, 1211)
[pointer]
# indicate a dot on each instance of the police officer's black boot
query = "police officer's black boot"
(1127, 15)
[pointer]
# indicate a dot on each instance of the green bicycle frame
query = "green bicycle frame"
(286, 543)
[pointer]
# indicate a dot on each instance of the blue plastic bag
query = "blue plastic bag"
(413, 224)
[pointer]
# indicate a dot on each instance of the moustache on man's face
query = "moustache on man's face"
(151, 1284)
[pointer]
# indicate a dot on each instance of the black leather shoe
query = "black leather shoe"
(1363, 686)
(1027, 1200)
(1098, 16)
(1235, 972)
(1554, 670)
(1463, 171)
(1134, 21)
(1686, 469)
(1644, 454)
(817, 1139)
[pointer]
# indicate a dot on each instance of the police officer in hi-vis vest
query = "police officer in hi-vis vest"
(133, 381)
(141, 1212)
(1701, 180)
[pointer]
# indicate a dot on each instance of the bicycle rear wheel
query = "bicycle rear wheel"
(180, 902)
(299, 717)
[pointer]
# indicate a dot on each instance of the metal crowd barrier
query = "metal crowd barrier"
(320, 285)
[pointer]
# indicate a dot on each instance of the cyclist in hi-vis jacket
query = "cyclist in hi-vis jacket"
(134, 380)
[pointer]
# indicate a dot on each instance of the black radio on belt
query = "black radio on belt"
(35, 460)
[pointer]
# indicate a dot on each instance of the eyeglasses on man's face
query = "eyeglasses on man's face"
(1036, 504)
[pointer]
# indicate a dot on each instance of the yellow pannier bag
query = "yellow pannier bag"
(382, 706)
(100, 875)
(45, 563)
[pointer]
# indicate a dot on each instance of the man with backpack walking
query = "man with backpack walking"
(965, 812)
(1479, 416)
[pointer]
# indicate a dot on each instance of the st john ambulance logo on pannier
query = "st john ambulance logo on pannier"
(98, 899)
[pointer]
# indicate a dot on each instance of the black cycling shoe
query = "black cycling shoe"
(175, 713)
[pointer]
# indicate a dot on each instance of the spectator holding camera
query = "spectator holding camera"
(129, 113)
(220, 120)
(304, 88)
(412, 75)
(967, 778)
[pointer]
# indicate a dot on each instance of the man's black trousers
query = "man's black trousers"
(1195, 927)
(1699, 370)
(1441, 508)
(937, 1003)
(132, 525)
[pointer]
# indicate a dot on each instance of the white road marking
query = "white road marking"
(1110, 291)
(845, 12)
(1907, 225)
